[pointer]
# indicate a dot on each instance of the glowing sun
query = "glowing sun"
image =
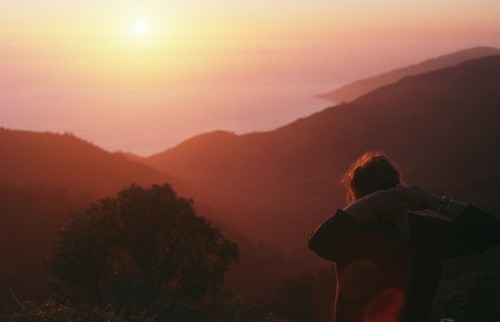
(141, 27)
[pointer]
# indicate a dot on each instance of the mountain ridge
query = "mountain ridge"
(263, 178)
(440, 127)
(64, 161)
(356, 89)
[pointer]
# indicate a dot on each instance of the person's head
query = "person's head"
(371, 172)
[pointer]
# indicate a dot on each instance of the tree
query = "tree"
(145, 249)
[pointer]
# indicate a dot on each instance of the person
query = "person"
(388, 258)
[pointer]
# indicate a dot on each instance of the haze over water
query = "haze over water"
(171, 113)
(142, 77)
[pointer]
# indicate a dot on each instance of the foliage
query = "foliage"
(449, 305)
(52, 312)
(472, 294)
(144, 249)
(307, 298)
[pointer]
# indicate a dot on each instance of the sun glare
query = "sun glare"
(141, 27)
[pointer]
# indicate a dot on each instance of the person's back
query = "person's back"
(388, 261)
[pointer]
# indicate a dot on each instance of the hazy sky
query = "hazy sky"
(144, 75)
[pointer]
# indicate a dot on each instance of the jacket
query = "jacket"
(382, 276)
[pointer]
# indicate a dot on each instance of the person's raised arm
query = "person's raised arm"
(421, 199)
(379, 203)
(325, 239)
(471, 231)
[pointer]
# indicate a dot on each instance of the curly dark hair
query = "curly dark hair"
(371, 172)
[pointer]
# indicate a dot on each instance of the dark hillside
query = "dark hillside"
(64, 161)
(45, 177)
(442, 128)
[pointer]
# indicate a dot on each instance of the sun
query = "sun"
(141, 27)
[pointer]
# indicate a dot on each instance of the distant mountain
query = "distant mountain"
(65, 161)
(442, 128)
(356, 89)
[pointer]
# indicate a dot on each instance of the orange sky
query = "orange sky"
(61, 58)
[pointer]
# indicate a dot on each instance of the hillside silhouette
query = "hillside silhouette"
(64, 161)
(442, 128)
(265, 190)
(45, 177)
(351, 91)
